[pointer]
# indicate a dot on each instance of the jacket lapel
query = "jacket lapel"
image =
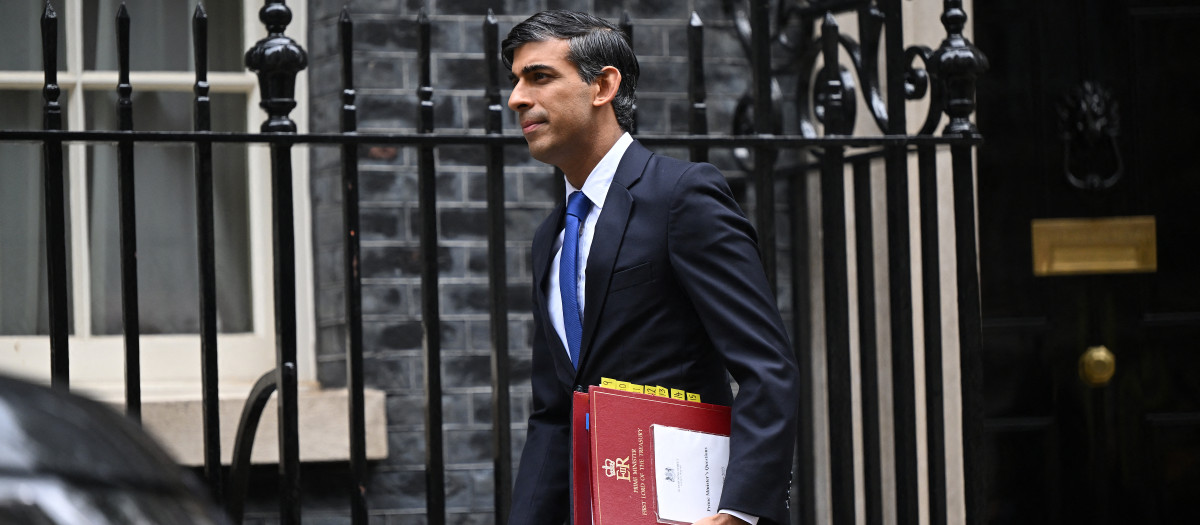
(543, 243)
(606, 241)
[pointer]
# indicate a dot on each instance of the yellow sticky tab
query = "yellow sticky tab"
(693, 397)
(678, 394)
(660, 391)
(636, 388)
(623, 386)
(608, 382)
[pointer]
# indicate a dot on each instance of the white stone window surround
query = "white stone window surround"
(170, 364)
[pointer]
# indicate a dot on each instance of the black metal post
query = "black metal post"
(205, 251)
(904, 404)
(354, 335)
(285, 333)
(804, 497)
(764, 156)
(55, 193)
(837, 295)
(435, 464)
(277, 59)
(931, 290)
(626, 26)
(698, 110)
(128, 225)
(497, 280)
(970, 331)
(864, 245)
(903, 380)
(955, 65)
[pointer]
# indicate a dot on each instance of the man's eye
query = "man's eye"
(540, 76)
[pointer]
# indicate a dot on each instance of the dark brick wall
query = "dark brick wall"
(385, 68)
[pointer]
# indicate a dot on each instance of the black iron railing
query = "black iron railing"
(948, 82)
(350, 226)
(205, 240)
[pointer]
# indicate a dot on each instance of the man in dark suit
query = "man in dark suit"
(650, 274)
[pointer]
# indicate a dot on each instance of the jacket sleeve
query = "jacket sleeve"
(541, 490)
(714, 253)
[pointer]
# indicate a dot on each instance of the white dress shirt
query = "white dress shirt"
(595, 188)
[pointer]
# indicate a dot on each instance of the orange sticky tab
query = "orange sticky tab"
(693, 397)
(678, 394)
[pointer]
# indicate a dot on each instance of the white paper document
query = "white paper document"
(689, 472)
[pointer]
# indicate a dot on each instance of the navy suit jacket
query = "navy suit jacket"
(675, 296)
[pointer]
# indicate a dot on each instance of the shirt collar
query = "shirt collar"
(595, 187)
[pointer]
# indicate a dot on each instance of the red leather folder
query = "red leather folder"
(614, 451)
(581, 483)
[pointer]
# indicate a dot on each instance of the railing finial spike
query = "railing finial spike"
(955, 65)
(49, 13)
(199, 12)
(345, 16)
(122, 12)
(277, 59)
(954, 18)
(694, 20)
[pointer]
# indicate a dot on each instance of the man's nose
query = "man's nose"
(519, 98)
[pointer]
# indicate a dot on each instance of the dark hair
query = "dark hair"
(594, 43)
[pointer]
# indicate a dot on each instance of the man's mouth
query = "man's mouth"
(529, 126)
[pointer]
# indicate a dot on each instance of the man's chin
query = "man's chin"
(540, 152)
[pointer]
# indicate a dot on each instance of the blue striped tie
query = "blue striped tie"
(568, 273)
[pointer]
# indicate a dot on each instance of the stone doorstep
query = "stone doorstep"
(178, 426)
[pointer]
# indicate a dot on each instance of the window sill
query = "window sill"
(177, 425)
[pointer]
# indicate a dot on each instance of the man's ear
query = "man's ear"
(606, 85)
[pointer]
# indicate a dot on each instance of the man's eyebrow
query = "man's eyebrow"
(535, 67)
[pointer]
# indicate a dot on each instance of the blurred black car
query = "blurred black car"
(67, 460)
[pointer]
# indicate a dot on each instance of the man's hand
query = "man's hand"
(720, 519)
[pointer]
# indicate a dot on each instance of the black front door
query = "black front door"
(1091, 116)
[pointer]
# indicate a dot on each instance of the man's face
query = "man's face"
(553, 104)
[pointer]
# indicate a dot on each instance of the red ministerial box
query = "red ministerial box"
(581, 483)
(614, 452)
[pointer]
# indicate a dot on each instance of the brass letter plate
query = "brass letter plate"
(1092, 246)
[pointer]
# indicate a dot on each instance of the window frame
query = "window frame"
(170, 364)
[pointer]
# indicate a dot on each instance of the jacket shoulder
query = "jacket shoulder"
(669, 171)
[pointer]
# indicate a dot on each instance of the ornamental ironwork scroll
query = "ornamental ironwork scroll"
(945, 75)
